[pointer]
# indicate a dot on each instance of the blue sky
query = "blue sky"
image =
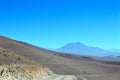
(53, 23)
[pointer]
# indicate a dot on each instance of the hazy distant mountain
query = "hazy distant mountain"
(115, 50)
(81, 49)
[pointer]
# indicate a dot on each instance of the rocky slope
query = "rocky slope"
(30, 72)
(16, 67)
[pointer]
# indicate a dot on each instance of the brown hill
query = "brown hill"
(14, 66)
(57, 62)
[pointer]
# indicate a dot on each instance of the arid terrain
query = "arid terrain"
(22, 61)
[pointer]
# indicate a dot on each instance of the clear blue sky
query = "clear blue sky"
(53, 23)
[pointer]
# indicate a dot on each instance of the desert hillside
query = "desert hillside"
(28, 62)
(17, 67)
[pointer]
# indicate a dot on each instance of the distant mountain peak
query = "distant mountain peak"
(75, 44)
(82, 49)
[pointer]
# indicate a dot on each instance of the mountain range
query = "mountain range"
(82, 49)
(115, 50)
